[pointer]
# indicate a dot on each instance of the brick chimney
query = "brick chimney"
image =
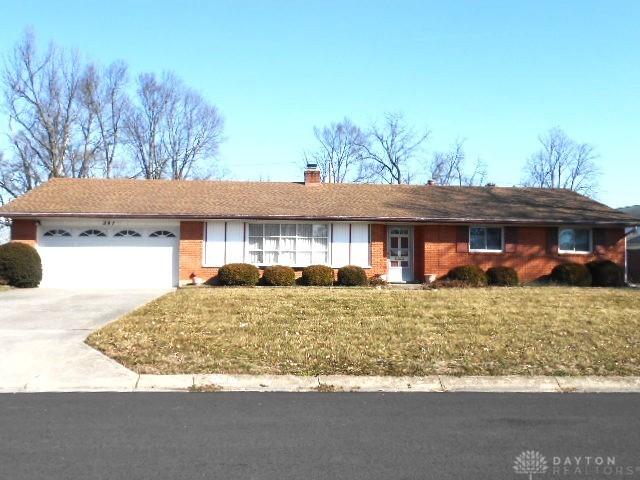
(312, 174)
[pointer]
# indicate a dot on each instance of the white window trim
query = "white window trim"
(482, 250)
(576, 252)
(247, 253)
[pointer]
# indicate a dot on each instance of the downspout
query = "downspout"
(631, 231)
(626, 262)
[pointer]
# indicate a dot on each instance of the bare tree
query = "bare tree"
(40, 93)
(340, 152)
(171, 128)
(103, 103)
(448, 168)
(84, 153)
(193, 134)
(563, 163)
(4, 197)
(68, 119)
(144, 125)
(392, 149)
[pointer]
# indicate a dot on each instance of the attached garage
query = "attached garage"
(108, 254)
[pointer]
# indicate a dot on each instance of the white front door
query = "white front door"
(400, 257)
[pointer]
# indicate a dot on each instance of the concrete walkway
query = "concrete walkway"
(42, 334)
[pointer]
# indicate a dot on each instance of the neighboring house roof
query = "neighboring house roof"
(634, 211)
(265, 200)
(633, 240)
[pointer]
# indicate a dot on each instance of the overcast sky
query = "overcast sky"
(493, 73)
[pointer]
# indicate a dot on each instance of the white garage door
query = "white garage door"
(108, 256)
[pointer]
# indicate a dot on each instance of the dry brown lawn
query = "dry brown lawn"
(312, 331)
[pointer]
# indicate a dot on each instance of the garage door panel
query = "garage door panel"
(109, 262)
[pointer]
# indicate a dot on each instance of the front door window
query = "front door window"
(400, 268)
(399, 247)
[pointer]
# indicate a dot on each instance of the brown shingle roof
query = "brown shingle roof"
(217, 199)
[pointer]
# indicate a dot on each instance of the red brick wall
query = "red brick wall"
(633, 260)
(419, 232)
(434, 252)
(531, 258)
(192, 251)
(378, 250)
(24, 231)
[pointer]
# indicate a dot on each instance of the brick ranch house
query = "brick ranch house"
(142, 233)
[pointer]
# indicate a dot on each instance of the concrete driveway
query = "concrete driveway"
(42, 334)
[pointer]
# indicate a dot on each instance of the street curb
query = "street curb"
(352, 383)
(341, 383)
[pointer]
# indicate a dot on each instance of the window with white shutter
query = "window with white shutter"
(360, 244)
(214, 245)
(235, 242)
(340, 245)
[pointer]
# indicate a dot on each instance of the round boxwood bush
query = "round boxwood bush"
(238, 274)
(605, 273)
(503, 277)
(377, 281)
(352, 276)
(572, 274)
(317, 276)
(279, 276)
(20, 265)
(471, 275)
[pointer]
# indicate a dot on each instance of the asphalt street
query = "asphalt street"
(316, 435)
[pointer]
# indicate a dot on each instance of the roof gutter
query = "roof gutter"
(451, 220)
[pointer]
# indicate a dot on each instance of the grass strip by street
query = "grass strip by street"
(330, 331)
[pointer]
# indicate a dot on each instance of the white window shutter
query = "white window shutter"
(340, 245)
(360, 244)
(214, 245)
(235, 242)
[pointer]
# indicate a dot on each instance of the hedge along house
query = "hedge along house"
(139, 233)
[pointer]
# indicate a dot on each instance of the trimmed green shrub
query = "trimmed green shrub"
(377, 281)
(20, 265)
(503, 277)
(317, 276)
(238, 274)
(572, 274)
(279, 276)
(605, 273)
(352, 276)
(472, 275)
